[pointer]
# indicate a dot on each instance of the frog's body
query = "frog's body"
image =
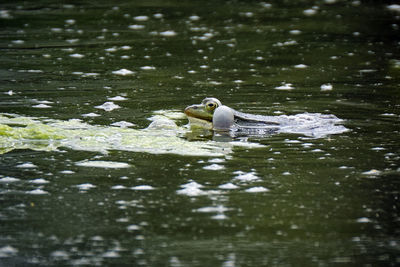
(211, 114)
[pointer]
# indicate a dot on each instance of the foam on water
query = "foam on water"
(311, 124)
(90, 115)
(37, 192)
(76, 55)
(228, 186)
(192, 189)
(169, 33)
(142, 187)
(9, 180)
(122, 124)
(85, 187)
(27, 165)
(136, 27)
(117, 98)
(214, 167)
(285, 86)
(8, 251)
(246, 177)
(103, 164)
(39, 181)
(108, 106)
(118, 187)
(123, 72)
(41, 106)
(257, 189)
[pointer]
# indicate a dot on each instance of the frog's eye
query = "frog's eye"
(210, 106)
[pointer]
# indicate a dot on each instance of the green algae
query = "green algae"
(162, 136)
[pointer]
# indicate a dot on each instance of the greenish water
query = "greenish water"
(76, 189)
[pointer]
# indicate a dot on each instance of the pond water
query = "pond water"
(84, 182)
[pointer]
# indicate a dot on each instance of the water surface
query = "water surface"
(285, 199)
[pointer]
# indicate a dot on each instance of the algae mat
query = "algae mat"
(161, 137)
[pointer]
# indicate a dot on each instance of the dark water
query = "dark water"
(288, 200)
